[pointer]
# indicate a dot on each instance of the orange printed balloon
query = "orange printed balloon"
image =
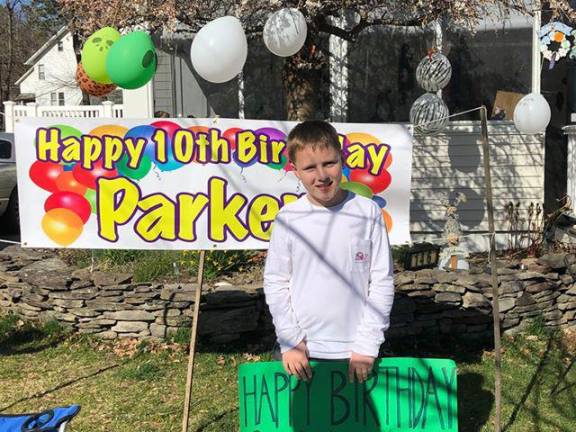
(110, 130)
(387, 220)
(62, 226)
(362, 138)
(67, 183)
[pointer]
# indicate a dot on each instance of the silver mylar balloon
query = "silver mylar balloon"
(429, 114)
(434, 72)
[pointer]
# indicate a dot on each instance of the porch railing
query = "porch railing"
(13, 113)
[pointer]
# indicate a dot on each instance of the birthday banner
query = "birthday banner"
(403, 394)
(186, 183)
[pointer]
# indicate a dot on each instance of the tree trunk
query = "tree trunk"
(77, 44)
(303, 83)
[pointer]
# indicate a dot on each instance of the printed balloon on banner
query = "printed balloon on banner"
(45, 174)
(219, 50)
(90, 86)
(277, 135)
(138, 173)
(90, 196)
(71, 201)
(230, 136)
(377, 183)
(95, 52)
(66, 182)
(62, 226)
(132, 60)
(434, 72)
(357, 188)
(89, 177)
(109, 130)
(67, 131)
(146, 132)
(171, 163)
(429, 114)
(285, 32)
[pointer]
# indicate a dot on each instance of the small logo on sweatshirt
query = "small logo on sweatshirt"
(361, 257)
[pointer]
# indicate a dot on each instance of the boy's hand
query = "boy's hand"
(360, 367)
(295, 362)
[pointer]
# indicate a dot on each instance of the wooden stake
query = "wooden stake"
(494, 272)
(190, 375)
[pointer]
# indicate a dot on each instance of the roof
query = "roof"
(24, 76)
(25, 97)
(49, 44)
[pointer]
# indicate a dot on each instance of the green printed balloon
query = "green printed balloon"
(132, 60)
(90, 195)
(278, 166)
(66, 132)
(358, 189)
(95, 52)
(134, 173)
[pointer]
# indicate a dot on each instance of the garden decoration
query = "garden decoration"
(90, 86)
(132, 60)
(219, 50)
(556, 41)
(429, 114)
(532, 114)
(453, 256)
(285, 32)
(95, 51)
(51, 420)
(434, 71)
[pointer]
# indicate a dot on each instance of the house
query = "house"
(51, 79)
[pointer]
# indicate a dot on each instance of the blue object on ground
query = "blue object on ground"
(46, 421)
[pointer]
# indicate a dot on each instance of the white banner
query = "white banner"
(186, 183)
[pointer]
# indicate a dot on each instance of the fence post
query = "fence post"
(9, 116)
(32, 109)
(108, 109)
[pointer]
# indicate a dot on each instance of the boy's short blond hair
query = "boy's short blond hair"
(313, 134)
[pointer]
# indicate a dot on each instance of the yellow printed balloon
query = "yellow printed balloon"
(110, 130)
(362, 138)
(63, 226)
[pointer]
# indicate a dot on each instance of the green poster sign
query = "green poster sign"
(403, 394)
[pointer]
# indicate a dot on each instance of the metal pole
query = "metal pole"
(190, 375)
(493, 270)
(536, 23)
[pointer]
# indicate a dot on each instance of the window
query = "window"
(5, 149)
(41, 73)
(61, 99)
(53, 99)
(60, 45)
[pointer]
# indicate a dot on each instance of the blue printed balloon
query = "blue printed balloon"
(243, 164)
(379, 200)
(144, 131)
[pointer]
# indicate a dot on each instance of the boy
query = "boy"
(328, 276)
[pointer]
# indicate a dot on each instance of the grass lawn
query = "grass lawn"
(126, 386)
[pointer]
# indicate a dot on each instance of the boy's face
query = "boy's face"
(320, 171)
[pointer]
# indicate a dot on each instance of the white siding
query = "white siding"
(60, 75)
(452, 162)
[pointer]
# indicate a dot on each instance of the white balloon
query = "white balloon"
(532, 114)
(219, 49)
(285, 32)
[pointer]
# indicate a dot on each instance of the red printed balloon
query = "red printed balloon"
(71, 201)
(168, 126)
(376, 183)
(230, 136)
(44, 174)
(67, 183)
(89, 177)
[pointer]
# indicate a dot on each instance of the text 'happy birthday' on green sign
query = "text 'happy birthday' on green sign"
(403, 394)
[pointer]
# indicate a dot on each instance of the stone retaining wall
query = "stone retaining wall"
(39, 286)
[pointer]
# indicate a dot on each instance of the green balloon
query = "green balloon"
(132, 60)
(278, 166)
(95, 51)
(90, 195)
(358, 189)
(67, 131)
(134, 173)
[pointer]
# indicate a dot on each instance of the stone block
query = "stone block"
(130, 315)
(474, 300)
(129, 326)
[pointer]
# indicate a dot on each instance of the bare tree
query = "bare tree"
(302, 71)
